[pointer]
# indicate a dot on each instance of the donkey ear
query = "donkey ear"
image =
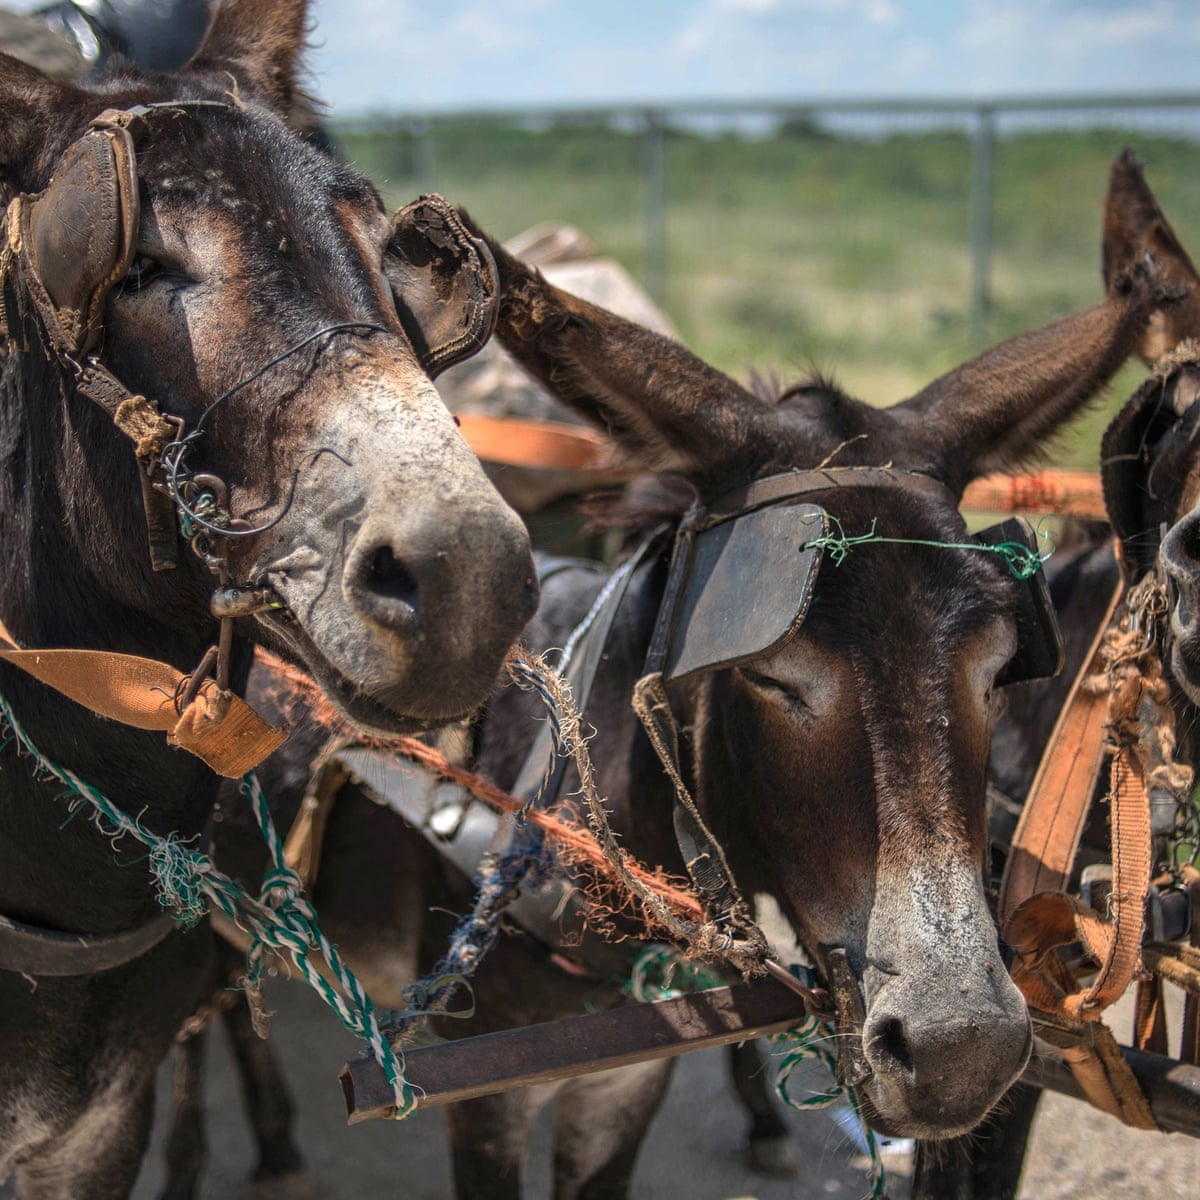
(998, 410)
(667, 409)
(1134, 229)
(444, 282)
(258, 42)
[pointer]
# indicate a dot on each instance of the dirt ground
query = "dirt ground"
(694, 1150)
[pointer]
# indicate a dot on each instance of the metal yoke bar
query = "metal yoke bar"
(498, 1062)
(513, 1058)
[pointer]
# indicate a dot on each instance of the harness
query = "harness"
(741, 576)
(66, 248)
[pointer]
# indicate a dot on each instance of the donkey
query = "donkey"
(169, 237)
(841, 768)
(1149, 470)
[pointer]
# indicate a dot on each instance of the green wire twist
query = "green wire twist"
(1021, 562)
(189, 884)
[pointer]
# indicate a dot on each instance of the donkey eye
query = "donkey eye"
(143, 272)
(781, 692)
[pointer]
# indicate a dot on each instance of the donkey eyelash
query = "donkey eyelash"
(767, 684)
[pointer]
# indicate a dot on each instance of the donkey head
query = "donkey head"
(197, 250)
(1149, 459)
(843, 766)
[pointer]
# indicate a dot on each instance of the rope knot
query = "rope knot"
(178, 873)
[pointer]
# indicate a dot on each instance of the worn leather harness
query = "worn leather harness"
(65, 249)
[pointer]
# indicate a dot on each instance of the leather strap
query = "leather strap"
(217, 726)
(1051, 821)
(29, 950)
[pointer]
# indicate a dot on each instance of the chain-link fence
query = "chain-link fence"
(880, 242)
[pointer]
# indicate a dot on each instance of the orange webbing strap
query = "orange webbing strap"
(1051, 821)
(1038, 916)
(1075, 492)
(216, 726)
(547, 445)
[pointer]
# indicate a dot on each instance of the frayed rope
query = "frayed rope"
(188, 884)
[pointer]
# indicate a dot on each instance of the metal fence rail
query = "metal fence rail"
(888, 238)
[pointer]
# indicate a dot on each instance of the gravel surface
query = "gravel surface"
(694, 1151)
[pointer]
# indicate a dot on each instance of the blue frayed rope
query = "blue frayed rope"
(189, 885)
(499, 879)
(1021, 562)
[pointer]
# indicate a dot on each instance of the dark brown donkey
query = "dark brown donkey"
(187, 247)
(1151, 475)
(842, 769)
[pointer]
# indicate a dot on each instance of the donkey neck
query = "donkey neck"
(76, 574)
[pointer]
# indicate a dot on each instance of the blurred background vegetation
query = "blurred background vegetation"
(780, 244)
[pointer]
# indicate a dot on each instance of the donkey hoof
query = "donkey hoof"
(774, 1157)
(293, 1185)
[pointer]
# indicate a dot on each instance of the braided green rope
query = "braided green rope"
(660, 972)
(1021, 562)
(806, 1042)
(189, 884)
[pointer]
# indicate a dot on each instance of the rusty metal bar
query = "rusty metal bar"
(1171, 1086)
(513, 1058)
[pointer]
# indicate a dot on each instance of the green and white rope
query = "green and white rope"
(809, 1041)
(189, 884)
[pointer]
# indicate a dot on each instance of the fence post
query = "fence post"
(983, 153)
(424, 137)
(654, 189)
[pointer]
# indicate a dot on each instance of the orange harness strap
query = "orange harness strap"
(216, 726)
(1051, 821)
(1038, 916)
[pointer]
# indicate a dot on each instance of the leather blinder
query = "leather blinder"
(79, 235)
(444, 281)
(1040, 650)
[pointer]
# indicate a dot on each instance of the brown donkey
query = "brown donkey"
(841, 768)
(170, 238)
(1151, 475)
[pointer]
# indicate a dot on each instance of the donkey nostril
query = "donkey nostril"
(388, 578)
(530, 597)
(888, 1040)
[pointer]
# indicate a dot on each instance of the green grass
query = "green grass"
(804, 248)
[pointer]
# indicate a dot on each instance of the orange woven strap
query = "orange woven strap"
(1052, 818)
(1075, 492)
(547, 445)
(216, 726)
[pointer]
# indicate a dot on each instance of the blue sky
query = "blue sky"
(374, 55)
(436, 54)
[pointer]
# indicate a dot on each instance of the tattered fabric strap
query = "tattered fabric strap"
(1038, 917)
(217, 726)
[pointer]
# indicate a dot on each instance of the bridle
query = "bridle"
(66, 248)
